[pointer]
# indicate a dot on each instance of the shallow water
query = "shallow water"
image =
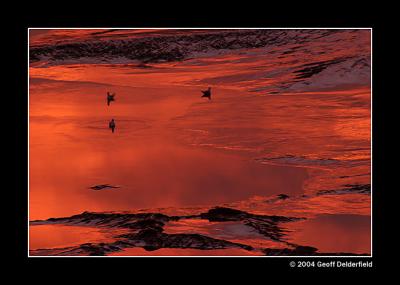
(137, 251)
(334, 233)
(257, 137)
(65, 236)
(145, 157)
(231, 231)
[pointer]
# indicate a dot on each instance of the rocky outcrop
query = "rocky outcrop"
(221, 214)
(297, 251)
(152, 239)
(149, 239)
(146, 230)
(265, 225)
(106, 219)
(311, 69)
(349, 189)
(172, 47)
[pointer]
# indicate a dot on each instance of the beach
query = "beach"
(287, 133)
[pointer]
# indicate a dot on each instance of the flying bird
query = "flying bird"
(207, 93)
(110, 97)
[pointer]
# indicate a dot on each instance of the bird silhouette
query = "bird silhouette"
(207, 93)
(110, 97)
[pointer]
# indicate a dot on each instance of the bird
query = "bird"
(111, 125)
(110, 97)
(207, 93)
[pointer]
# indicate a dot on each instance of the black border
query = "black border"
(19, 83)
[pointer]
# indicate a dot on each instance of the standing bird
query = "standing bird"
(207, 93)
(111, 125)
(110, 97)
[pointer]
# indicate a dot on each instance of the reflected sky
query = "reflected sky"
(334, 233)
(259, 136)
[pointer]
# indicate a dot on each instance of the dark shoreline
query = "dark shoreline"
(146, 231)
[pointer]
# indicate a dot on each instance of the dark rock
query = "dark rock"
(283, 196)
(145, 224)
(220, 214)
(147, 230)
(311, 69)
(154, 239)
(362, 188)
(171, 47)
(267, 228)
(350, 188)
(265, 225)
(122, 220)
(297, 251)
(305, 251)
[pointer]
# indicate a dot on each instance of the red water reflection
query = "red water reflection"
(236, 232)
(65, 236)
(137, 251)
(334, 233)
(258, 137)
(72, 149)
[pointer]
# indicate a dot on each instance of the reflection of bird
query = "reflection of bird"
(111, 125)
(110, 97)
(103, 186)
(207, 93)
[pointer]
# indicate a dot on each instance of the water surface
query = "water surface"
(269, 129)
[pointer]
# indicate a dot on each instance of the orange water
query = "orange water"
(173, 149)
